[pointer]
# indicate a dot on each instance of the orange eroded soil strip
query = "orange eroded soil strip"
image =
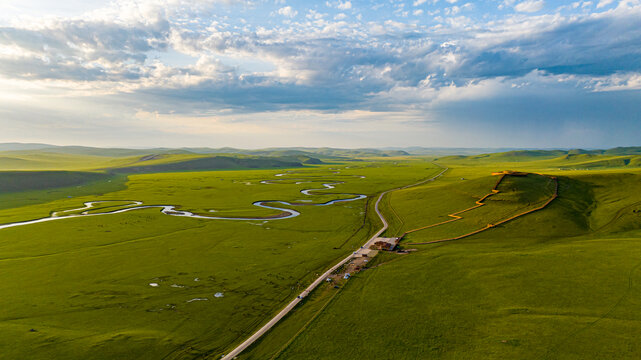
(480, 203)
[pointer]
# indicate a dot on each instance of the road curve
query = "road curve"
(245, 344)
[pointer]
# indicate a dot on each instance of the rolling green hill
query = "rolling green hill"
(555, 276)
(210, 163)
(559, 283)
(525, 155)
(43, 160)
(572, 159)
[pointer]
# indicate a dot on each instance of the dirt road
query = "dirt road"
(232, 354)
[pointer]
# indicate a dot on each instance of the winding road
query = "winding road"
(273, 321)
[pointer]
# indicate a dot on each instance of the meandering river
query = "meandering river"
(131, 205)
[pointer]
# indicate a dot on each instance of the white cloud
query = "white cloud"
(306, 60)
(617, 82)
(452, 10)
(344, 5)
(506, 3)
(530, 6)
(287, 11)
(314, 15)
(604, 3)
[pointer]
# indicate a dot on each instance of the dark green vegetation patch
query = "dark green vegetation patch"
(210, 163)
(14, 181)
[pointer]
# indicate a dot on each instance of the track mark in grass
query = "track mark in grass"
(305, 326)
(117, 243)
(367, 202)
(627, 291)
(618, 215)
(197, 299)
(397, 258)
(400, 220)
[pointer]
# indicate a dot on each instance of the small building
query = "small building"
(347, 276)
(388, 244)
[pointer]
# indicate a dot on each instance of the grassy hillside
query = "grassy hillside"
(630, 150)
(560, 283)
(435, 203)
(42, 160)
(570, 156)
(45, 160)
(19, 188)
(210, 163)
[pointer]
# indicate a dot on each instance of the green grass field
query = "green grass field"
(558, 283)
(82, 284)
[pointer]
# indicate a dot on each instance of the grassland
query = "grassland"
(38, 176)
(561, 283)
(19, 189)
(558, 283)
(82, 284)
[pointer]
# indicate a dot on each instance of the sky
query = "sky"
(267, 73)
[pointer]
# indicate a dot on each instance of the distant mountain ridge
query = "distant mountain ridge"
(294, 152)
(618, 157)
(23, 146)
(303, 153)
(618, 151)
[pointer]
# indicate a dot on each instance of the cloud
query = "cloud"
(604, 3)
(318, 63)
(341, 5)
(344, 5)
(287, 11)
(81, 50)
(530, 6)
(617, 82)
